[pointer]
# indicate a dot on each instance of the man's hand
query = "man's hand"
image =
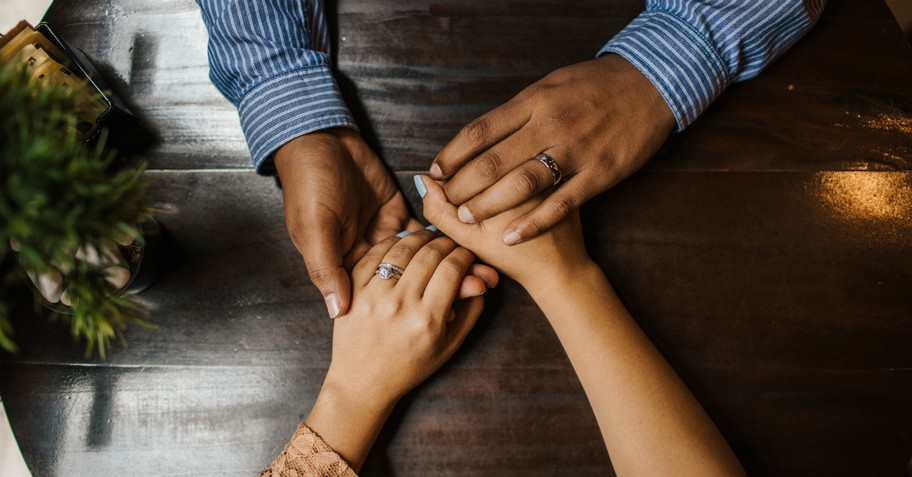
(600, 120)
(339, 201)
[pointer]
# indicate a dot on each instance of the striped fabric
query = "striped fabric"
(691, 50)
(271, 58)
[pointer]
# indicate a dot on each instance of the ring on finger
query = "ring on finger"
(552, 166)
(387, 271)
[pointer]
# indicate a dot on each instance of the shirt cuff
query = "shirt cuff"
(287, 106)
(679, 61)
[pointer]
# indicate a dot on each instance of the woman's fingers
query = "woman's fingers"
(478, 279)
(447, 277)
(466, 315)
(364, 270)
(486, 273)
(470, 287)
(424, 264)
(439, 211)
(394, 250)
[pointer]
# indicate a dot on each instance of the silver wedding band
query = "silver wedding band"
(552, 166)
(388, 270)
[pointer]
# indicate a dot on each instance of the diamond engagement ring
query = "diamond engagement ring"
(552, 166)
(388, 270)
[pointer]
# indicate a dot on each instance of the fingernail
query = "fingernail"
(432, 228)
(419, 185)
(332, 305)
(403, 233)
(511, 238)
(465, 215)
(435, 171)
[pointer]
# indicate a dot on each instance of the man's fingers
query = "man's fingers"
(478, 136)
(513, 189)
(391, 218)
(552, 210)
(355, 253)
(491, 165)
(335, 287)
(321, 249)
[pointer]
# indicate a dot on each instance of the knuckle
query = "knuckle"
(424, 328)
(453, 266)
(430, 254)
(478, 130)
(489, 165)
(320, 276)
(535, 225)
(534, 93)
(432, 210)
(360, 268)
(563, 205)
(295, 231)
(527, 182)
(398, 252)
(386, 308)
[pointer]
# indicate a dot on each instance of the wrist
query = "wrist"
(560, 280)
(348, 421)
(367, 402)
(315, 146)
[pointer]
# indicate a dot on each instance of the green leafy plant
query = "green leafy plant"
(57, 195)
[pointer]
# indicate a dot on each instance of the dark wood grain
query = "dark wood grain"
(417, 71)
(767, 252)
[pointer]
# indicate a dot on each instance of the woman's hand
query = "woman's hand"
(395, 335)
(553, 255)
(398, 332)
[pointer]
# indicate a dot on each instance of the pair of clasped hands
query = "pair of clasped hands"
(491, 200)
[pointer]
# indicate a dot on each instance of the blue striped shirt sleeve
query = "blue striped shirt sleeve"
(271, 59)
(691, 50)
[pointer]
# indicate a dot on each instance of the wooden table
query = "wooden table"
(767, 251)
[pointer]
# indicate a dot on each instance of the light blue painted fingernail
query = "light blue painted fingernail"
(403, 233)
(432, 228)
(422, 191)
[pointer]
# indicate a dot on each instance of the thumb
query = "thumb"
(437, 209)
(321, 249)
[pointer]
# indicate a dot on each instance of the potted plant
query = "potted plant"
(62, 203)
